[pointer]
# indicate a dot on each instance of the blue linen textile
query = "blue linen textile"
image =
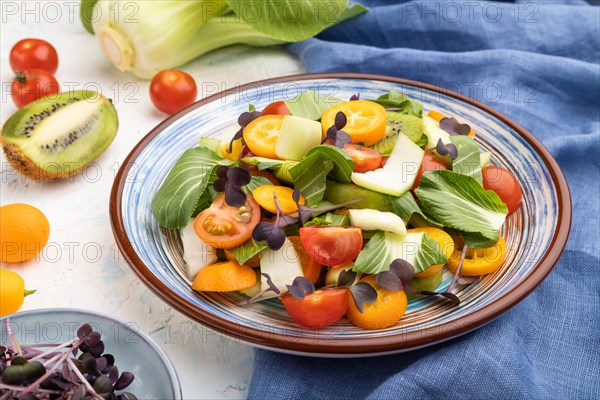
(544, 56)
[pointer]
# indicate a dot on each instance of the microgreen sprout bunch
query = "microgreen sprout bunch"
(55, 371)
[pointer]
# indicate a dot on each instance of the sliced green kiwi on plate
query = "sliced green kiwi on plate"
(57, 136)
(409, 125)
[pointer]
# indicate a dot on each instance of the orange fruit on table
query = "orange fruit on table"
(225, 276)
(384, 312)
(366, 120)
(12, 292)
(24, 231)
(262, 134)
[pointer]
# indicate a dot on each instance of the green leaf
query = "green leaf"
(394, 99)
(351, 12)
(342, 162)
(256, 182)
(460, 202)
(407, 208)
(208, 196)
(86, 11)
(384, 247)
(178, 196)
(310, 176)
(263, 162)
(468, 161)
(476, 240)
(330, 219)
(247, 250)
(289, 20)
(310, 105)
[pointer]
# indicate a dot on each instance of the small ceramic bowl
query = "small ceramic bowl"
(134, 351)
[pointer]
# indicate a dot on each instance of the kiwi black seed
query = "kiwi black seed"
(57, 136)
(397, 123)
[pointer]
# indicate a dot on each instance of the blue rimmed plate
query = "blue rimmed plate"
(536, 234)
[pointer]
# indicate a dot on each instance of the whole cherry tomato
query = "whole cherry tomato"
(172, 90)
(32, 85)
(33, 53)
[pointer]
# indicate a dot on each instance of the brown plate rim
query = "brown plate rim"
(361, 346)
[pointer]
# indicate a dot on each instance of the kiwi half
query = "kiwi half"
(409, 125)
(57, 136)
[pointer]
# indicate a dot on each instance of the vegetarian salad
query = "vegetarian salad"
(339, 207)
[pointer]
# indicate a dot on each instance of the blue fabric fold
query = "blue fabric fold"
(544, 56)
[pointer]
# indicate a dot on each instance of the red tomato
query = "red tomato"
(172, 90)
(319, 309)
(429, 163)
(276, 108)
(32, 85)
(226, 227)
(33, 53)
(506, 186)
(383, 161)
(365, 159)
(332, 245)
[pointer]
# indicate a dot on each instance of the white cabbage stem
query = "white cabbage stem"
(156, 35)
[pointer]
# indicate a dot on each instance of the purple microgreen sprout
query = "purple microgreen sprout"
(346, 278)
(467, 280)
(251, 108)
(243, 120)
(260, 296)
(305, 212)
(397, 277)
(446, 149)
(453, 127)
(335, 133)
(230, 181)
(362, 293)
(272, 232)
(355, 97)
(300, 287)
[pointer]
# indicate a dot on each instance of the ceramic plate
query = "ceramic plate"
(134, 351)
(536, 234)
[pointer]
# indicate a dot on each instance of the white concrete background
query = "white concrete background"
(81, 266)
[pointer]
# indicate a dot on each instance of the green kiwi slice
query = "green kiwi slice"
(397, 123)
(58, 135)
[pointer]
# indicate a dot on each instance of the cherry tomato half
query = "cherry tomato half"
(365, 159)
(332, 245)
(226, 227)
(32, 85)
(33, 53)
(318, 309)
(429, 163)
(506, 186)
(276, 108)
(172, 90)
